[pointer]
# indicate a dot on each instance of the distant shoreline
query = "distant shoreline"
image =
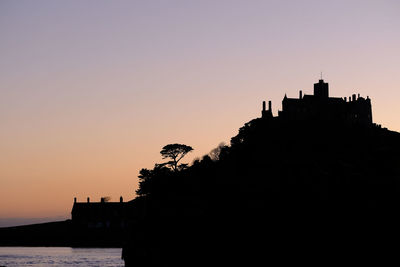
(14, 222)
(58, 234)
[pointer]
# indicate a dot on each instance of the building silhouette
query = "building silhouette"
(100, 215)
(320, 107)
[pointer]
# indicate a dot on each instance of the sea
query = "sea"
(60, 257)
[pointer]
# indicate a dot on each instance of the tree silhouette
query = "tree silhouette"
(215, 153)
(175, 152)
(150, 180)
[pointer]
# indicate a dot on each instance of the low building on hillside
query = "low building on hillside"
(101, 215)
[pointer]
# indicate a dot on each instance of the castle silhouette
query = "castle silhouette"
(289, 188)
(320, 107)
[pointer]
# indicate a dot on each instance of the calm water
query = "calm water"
(60, 256)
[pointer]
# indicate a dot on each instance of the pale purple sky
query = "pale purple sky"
(91, 90)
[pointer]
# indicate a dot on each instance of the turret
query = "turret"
(321, 89)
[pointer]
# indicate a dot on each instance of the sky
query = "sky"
(90, 91)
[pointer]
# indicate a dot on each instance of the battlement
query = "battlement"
(321, 107)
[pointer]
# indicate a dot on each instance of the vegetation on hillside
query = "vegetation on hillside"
(278, 190)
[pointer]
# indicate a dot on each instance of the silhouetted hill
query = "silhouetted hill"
(283, 190)
(61, 233)
(42, 234)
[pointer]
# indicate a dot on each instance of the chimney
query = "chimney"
(345, 99)
(358, 96)
(301, 94)
(74, 199)
(269, 106)
(121, 199)
(263, 106)
(102, 200)
(88, 199)
(354, 97)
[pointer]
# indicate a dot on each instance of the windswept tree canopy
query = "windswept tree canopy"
(175, 152)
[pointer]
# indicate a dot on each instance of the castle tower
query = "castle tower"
(321, 89)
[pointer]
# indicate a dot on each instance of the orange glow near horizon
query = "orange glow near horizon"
(90, 94)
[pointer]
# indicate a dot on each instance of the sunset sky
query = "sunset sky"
(90, 91)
